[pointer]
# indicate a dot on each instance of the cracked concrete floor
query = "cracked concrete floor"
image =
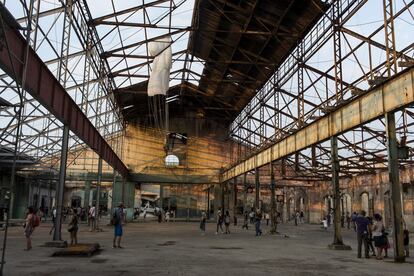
(179, 249)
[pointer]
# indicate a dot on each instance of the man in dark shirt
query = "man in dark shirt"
(363, 227)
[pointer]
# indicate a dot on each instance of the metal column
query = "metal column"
(57, 235)
(257, 189)
(273, 228)
(338, 242)
(244, 192)
(161, 197)
(98, 193)
(87, 193)
(395, 188)
(235, 201)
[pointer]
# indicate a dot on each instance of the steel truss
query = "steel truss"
(73, 54)
(304, 89)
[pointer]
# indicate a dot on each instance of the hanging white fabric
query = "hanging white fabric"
(159, 80)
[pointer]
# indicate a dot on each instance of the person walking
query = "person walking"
(117, 223)
(227, 222)
(267, 217)
(202, 223)
(219, 221)
(362, 228)
(92, 217)
(257, 222)
(245, 220)
(29, 226)
(302, 217)
(73, 227)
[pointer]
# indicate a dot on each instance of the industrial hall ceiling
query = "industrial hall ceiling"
(239, 44)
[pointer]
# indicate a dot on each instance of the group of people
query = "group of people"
(373, 230)
(33, 220)
(225, 218)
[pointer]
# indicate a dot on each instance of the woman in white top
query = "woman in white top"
(378, 235)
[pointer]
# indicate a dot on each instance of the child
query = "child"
(406, 242)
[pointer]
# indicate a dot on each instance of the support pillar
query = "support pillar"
(87, 193)
(57, 235)
(188, 201)
(222, 197)
(284, 207)
(208, 203)
(113, 191)
(338, 242)
(257, 189)
(395, 188)
(235, 201)
(273, 229)
(244, 192)
(98, 192)
(161, 198)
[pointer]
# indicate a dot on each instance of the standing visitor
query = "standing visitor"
(29, 225)
(92, 217)
(245, 220)
(219, 221)
(353, 218)
(73, 227)
(258, 219)
(117, 223)
(267, 217)
(297, 218)
(378, 235)
(159, 215)
(124, 214)
(325, 223)
(362, 227)
(328, 217)
(348, 220)
(251, 215)
(227, 222)
(370, 239)
(88, 217)
(302, 217)
(406, 243)
(167, 216)
(202, 222)
(53, 220)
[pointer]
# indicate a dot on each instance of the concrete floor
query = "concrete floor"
(179, 249)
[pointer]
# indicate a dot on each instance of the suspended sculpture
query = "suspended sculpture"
(159, 80)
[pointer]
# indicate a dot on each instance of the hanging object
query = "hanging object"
(159, 80)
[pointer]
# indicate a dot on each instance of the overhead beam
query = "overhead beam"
(42, 85)
(393, 94)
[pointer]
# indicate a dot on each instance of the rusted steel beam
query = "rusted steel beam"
(42, 85)
(392, 95)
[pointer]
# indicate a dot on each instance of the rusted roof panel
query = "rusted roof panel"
(243, 42)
